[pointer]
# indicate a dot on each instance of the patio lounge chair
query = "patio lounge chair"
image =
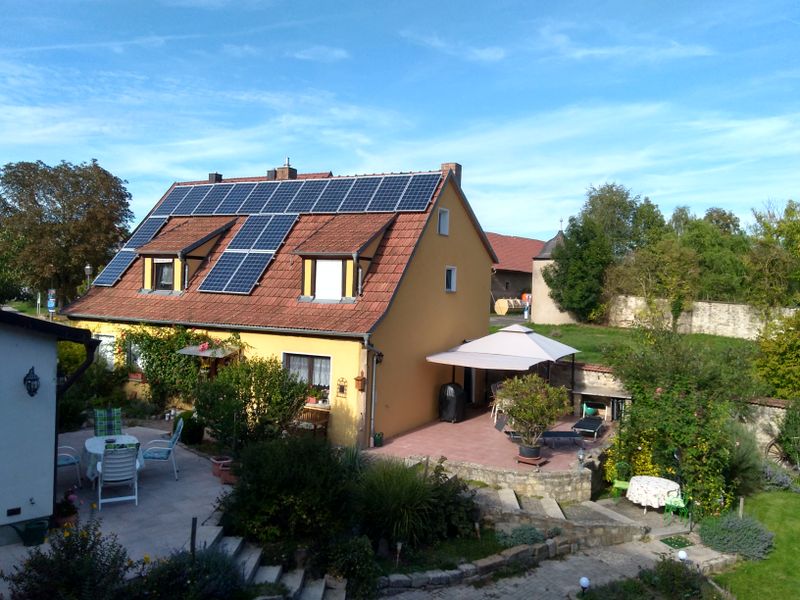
(67, 457)
(164, 450)
(676, 504)
(590, 425)
(107, 421)
(118, 467)
(551, 438)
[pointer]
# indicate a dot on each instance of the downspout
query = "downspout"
(377, 357)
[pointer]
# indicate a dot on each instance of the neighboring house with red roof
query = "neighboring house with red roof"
(511, 276)
(350, 281)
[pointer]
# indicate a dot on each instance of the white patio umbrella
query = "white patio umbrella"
(513, 348)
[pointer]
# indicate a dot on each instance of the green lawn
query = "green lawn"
(28, 308)
(778, 576)
(594, 341)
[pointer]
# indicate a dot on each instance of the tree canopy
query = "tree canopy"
(56, 219)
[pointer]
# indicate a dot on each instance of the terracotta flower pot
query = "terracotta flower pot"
(226, 475)
(217, 462)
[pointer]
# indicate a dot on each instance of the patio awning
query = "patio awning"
(222, 352)
(513, 348)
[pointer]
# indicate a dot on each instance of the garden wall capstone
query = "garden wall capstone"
(563, 486)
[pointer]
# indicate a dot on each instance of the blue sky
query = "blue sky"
(688, 103)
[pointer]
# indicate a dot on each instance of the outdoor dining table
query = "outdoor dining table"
(649, 491)
(93, 451)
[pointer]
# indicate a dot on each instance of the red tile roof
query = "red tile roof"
(273, 304)
(181, 233)
(345, 234)
(514, 253)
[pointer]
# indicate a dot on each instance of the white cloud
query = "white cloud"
(320, 54)
(484, 54)
(240, 50)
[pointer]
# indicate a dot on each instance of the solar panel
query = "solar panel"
(388, 194)
(192, 199)
(248, 273)
(114, 270)
(145, 232)
(213, 198)
(256, 200)
(226, 266)
(234, 199)
(274, 233)
(282, 198)
(307, 196)
(333, 195)
(360, 194)
(419, 192)
(249, 232)
(172, 200)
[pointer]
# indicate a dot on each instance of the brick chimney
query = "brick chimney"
(286, 171)
(214, 177)
(455, 168)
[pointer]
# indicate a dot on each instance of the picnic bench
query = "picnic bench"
(313, 419)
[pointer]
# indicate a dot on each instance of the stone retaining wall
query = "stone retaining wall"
(562, 486)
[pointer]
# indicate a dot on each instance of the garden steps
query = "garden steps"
(268, 574)
(293, 581)
(334, 594)
(230, 545)
(249, 559)
(551, 508)
(207, 536)
(508, 500)
(607, 513)
(313, 590)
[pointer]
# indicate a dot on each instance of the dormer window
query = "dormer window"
(163, 274)
(329, 280)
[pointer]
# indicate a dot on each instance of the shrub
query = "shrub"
(524, 534)
(250, 401)
(354, 560)
(396, 503)
(743, 473)
(729, 533)
(288, 488)
(98, 386)
(79, 563)
(533, 405)
(209, 575)
(193, 428)
(455, 513)
(775, 477)
(789, 436)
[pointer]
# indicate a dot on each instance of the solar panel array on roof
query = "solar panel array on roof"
(145, 232)
(236, 272)
(114, 270)
(387, 193)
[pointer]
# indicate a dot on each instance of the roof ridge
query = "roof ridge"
(302, 177)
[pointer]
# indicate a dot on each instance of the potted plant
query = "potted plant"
(66, 510)
(532, 405)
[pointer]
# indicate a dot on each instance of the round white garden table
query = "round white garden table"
(94, 447)
(650, 491)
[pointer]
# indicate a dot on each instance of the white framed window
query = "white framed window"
(444, 221)
(314, 370)
(449, 279)
(163, 274)
(329, 280)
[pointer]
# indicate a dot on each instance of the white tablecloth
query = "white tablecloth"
(650, 491)
(94, 447)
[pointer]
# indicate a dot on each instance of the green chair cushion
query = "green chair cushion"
(621, 485)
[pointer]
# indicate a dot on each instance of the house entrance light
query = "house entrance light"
(31, 381)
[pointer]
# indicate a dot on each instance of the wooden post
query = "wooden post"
(741, 506)
(193, 539)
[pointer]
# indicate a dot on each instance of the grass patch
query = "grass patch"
(596, 341)
(677, 542)
(28, 308)
(778, 573)
(444, 555)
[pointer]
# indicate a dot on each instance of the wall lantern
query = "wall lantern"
(31, 381)
(581, 456)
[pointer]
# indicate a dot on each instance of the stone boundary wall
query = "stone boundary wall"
(715, 318)
(562, 486)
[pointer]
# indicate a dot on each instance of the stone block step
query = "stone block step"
(268, 574)
(231, 545)
(508, 499)
(334, 594)
(606, 513)
(213, 519)
(313, 590)
(248, 559)
(207, 536)
(551, 508)
(293, 581)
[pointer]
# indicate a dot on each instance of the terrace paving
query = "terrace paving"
(161, 523)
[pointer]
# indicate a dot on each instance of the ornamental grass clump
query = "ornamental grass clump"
(731, 534)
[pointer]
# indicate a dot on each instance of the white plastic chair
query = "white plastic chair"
(67, 457)
(118, 467)
(164, 450)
